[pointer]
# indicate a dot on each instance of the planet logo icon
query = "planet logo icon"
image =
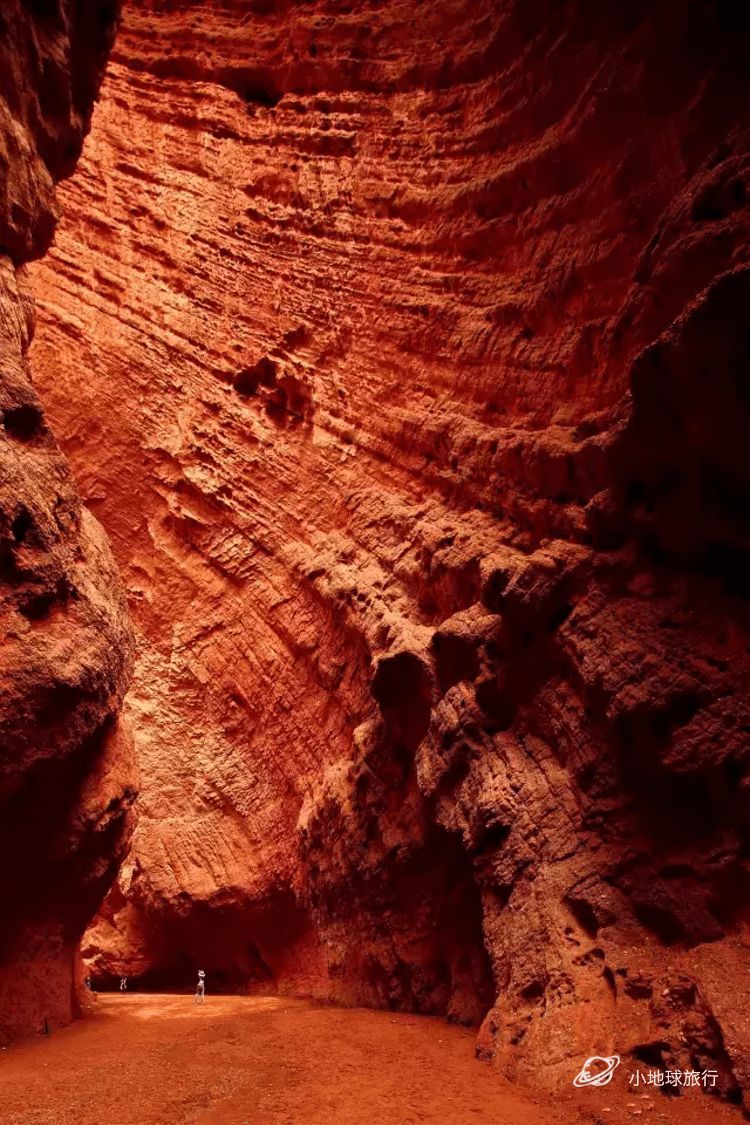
(597, 1071)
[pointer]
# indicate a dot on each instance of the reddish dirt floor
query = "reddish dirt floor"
(273, 1061)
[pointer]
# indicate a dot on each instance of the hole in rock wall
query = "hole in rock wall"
(39, 606)
(261, 95)
(660, 922)
(23, 422)
(22, 526)
(402, 687)
(456, 659)
(260, 374)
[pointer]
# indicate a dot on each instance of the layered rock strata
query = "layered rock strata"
(413, 340)
(67, 772)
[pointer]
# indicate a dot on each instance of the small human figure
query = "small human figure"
(87, 982)
(123, 984)
(200, 991)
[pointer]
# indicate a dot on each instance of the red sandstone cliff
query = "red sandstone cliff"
(402, 351)
(66, 771)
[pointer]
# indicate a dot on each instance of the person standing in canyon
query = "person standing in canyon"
(123, 984)
(200, 990)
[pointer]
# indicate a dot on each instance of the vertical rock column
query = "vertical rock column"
(67, 774)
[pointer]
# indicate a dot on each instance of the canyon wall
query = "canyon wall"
(401, 349)
(67, 771)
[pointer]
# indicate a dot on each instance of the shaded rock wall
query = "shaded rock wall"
(67, 773)
(414, 352)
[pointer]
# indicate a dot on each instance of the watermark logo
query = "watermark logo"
(674, 1078)
(597, 1071)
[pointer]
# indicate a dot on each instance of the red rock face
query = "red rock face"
(413, 346)
(67, 774)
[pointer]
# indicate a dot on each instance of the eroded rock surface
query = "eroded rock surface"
(67, 772)
(413, 339)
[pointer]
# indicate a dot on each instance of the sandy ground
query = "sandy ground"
(272, 1061)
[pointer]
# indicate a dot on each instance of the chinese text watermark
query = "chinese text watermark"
(674, 1078)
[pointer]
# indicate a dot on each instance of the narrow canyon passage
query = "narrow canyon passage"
(374, 555)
